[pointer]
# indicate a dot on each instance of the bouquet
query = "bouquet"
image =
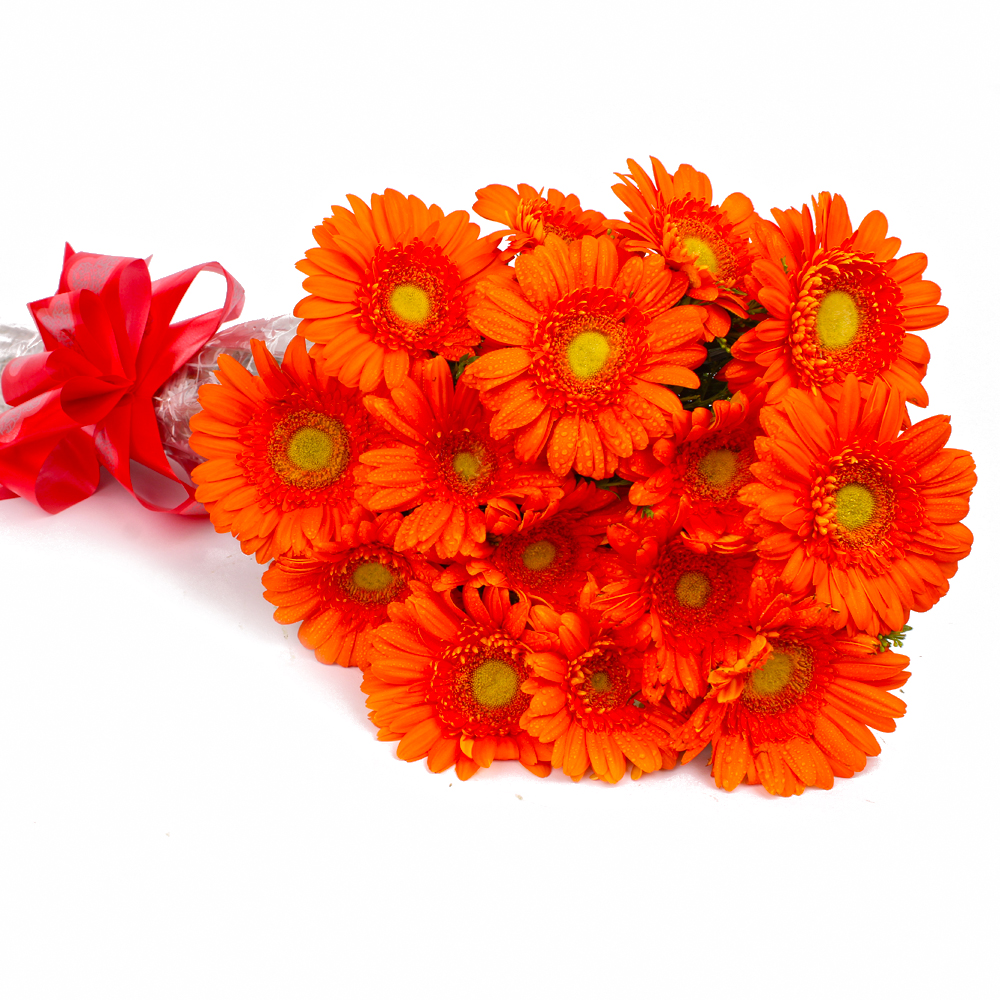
(585, 493)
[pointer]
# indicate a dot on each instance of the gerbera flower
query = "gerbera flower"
(530, 217)
(689, 601)
(839, 302)
(847, 507)
(282, 451)
(446, 467)
(795, 707)
(389, 284)
(446, 681)
(673, 215)
(585, 701)
(594, 349)
(544, 553)
(341, 591)
(693, 475)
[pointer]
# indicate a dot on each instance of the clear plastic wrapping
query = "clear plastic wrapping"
(177, 400)
(16, 342)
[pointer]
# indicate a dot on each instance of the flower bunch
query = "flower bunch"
(595, 493)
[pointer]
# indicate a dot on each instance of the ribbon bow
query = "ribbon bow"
(87, 400)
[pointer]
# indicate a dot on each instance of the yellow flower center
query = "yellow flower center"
(539, 555)
(772, 676)
(837, 320)
(466, 465)
(600, 681)
(854, 505)
(494, 683)
(782, 679)
(372, 576)
(310, 449)
(693, 589)
(587, 353)
(718, 467)
(410, 303)
(702, 251)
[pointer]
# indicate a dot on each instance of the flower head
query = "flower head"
(389, 284)
(693, 475)
(341, 591)
(444, 465)
(282, 451)
(794, 702)
(848, 508)
(445, 681)
(530, 217)
(839, 302)
(688, 600)
(544, 552)
(585, 701)
(593, 349)
(673, 215)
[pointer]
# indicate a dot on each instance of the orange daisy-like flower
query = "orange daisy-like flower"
(795, 707)
(584, 701)
(593, 349)
(446, 681)
(544, 553)
(689, 600)
(673, 215)
(694, 474)
(390, 284)
(341, 592)
(848, 508)
(839, 302)
(447, 466)
(530, 217)
(282, 451)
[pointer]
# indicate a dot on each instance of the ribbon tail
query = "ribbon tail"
(45, 455)
(70, 474)
(157, 491)
(53, 474)
(130, 449)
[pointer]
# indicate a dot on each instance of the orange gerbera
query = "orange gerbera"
(341, 591)
(694, 474)
(673, 215)
(796, 703)
(585, 701)
(593, 350)
(282, 451)
(446, 681)
(389, 284)
(447, 466)
(839, 302)
(866, 518)
(530, 217)
(544, 553)
(688, 600)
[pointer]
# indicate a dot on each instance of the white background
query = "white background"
(190, 805)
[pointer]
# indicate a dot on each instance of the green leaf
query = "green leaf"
(611, 483)
(457, 367)
(893, 638)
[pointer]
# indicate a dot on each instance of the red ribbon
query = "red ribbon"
(87, 400)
